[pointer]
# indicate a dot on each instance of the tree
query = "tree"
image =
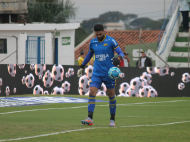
(50, 11)
(80, 35)
(154, 25)
(140, 22)
(128, 17)
(113, 16)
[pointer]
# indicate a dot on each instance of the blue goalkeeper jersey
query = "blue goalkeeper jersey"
(104, 52)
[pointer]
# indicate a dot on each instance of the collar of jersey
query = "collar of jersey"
(103, 39)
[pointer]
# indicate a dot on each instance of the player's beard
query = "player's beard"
(101, 38)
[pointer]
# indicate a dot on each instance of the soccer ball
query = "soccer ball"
(58, 72)
(40, 69)
(57, 91)
(37, 90)
(123, 87)
(48, 79)
(143, 92)
(181, 86)
(7, 91)
(185, 77)
(46, 92)
(89, 71)
(152, 93)
(147, 76)
(114, 73)
(83, 85)
(12, 69)
(29, 80)
(66, 86)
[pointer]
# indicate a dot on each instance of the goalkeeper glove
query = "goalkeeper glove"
(79, 73)
(116, 61)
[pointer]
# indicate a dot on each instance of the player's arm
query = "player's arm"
(117, 49)
(116, 60)
(119, 52)
(86, 60)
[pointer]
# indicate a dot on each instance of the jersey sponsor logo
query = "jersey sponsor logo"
(105, 44)
(102, 57)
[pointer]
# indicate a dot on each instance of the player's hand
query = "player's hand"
(79, 73)
(116, 61)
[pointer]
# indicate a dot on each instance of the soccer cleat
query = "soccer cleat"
(88, 121)
(112, 123)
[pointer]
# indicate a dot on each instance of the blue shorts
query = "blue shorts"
(96, 81)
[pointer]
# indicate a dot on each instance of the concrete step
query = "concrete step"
(181, 44)
(179, 54)
(183, 34)
(179, 49)
(177, 59)
(178, 64)
(181, 39)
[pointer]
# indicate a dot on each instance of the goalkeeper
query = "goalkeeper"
(103, 46)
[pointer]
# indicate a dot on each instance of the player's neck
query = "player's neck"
(103, 37)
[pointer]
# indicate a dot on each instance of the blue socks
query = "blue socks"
(112, 106)
(91, 106)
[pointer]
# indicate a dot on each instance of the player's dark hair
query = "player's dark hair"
(98, 27)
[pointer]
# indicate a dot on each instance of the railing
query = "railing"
(166, 21)
(35, 50)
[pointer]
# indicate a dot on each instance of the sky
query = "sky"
(88, 9)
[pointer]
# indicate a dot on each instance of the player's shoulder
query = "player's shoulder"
(109, 38)
(94, 40)
(112, 41)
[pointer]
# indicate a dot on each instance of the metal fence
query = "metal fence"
(35, 50)
(8, 49)
(166, 21)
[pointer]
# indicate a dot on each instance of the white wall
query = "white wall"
(65, 52)
(11, 45)
(10, 56)
(48, 48)
(22, 48)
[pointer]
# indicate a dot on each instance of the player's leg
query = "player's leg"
(94, 85)
(92, 101)
(110, 84)
(112, 105)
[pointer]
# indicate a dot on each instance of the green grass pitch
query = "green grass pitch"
(137, 120)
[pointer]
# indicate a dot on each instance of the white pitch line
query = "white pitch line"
(86, 106)
(76, 130)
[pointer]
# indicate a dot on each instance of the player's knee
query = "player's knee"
(110, 95)
(92, 93)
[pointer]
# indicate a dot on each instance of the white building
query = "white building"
(114, 26)
(37, 43)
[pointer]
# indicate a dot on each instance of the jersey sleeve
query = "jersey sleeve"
(89, 55)
(116, 47)
(90, 46)
(114, 43)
